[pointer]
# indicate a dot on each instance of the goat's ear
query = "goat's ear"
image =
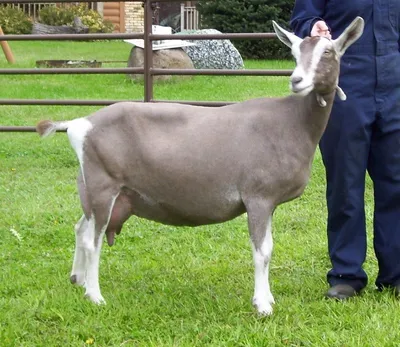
(286, 37)
(349, 36)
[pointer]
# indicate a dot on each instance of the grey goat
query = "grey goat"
(186, 165)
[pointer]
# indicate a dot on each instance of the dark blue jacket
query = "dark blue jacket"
(363, 133)
(382, 19)
(380, 38)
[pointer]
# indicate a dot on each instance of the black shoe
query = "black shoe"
(341, 292)
(397, 290)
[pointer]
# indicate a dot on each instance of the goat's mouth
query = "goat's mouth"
(302, 90)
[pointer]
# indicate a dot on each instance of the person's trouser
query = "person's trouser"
(363, 134)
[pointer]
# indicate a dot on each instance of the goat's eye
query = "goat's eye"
(327, 52)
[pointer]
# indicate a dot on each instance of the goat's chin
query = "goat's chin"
(303, 91)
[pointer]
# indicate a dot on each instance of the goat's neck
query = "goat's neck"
(316, 116)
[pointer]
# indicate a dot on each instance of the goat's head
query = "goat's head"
(318, 59)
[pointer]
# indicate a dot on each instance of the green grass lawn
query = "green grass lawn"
(164, 286)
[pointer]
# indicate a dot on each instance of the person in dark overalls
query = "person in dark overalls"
(363, 134)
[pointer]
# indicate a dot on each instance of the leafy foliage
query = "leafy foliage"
(92, 19)
(54, 15)
(14, 21)
(248, 16)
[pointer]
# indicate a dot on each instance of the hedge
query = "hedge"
(248, 16)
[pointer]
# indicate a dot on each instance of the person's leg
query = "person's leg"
(384, 169)
(345, 149)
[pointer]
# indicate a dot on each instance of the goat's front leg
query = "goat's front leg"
(78, 272)
(260, 222)
(92, 244)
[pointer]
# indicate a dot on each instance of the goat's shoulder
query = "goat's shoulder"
(268, 108)
(266, 102)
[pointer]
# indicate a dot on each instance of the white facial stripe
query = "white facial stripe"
(306, 85)
(319, 50)
(299, 70)
(296, 50)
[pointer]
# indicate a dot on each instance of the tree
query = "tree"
(248, 16)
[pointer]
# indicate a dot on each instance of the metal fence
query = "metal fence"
(32, 9)
(148, 70)
(189, 18)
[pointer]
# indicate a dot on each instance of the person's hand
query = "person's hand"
(321, 29)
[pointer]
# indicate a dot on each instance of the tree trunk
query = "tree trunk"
(44, 29)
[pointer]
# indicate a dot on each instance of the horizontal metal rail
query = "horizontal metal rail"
(60, 102)
(20, 129)
(32, 129)
(80, 102)
(222, 72)
(148, 71)
(69, 1)
(153, 71)
(126, 36)
(226, 36)
(70, 71)
(74, 37)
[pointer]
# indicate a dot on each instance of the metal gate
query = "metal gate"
(32, 9)
(189, 18)
(148, 71)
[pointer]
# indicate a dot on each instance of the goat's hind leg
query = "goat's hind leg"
(260, 221)
(92, 243)
(85, 269)
(78, 272)
(109, 213)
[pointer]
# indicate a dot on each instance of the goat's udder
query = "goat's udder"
(121, 211)
(110, 234)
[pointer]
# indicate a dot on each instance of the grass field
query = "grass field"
(164, 286)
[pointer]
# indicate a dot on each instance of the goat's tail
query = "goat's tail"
(48, 127)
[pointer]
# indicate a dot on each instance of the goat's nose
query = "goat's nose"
(296, 79)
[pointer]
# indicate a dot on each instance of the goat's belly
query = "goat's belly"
(293, 192)
(181, 217)
(184, 213)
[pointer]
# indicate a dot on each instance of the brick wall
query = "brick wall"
(134, 17)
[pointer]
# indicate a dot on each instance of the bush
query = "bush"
(54, 15)
(248, 16)
(14, 21)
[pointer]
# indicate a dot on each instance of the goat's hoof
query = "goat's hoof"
(264, 310)
(270, 299)
(263, 307)
(96, 298)
(77, 279)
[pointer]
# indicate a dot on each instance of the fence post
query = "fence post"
(6, 49)
(148, 51)
(182, 16)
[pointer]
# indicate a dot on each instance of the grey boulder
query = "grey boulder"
(213, 54)
(174, 58)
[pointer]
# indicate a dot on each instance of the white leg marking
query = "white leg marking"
(263, 298)
(77, 131)
(92, 252)
(92, 255)
(78, 272)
